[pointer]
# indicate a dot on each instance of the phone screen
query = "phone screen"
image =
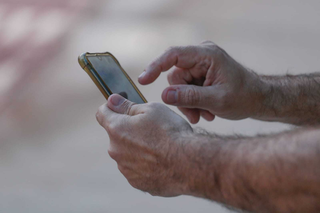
(114, 78)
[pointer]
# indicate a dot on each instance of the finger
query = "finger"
(120, 105)
(207, 115)
(105, 115)
(116, 109)
(182, 57)
(179, 76)
(196, 75)
(188, 96)
(193, 115)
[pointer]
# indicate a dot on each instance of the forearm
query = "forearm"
(290, 99)
(280, 173)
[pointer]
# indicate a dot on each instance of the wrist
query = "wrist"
(177, 164)
(258, 92)
(199, 164)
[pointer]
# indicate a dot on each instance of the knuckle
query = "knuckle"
(153, 110)
(217, 51)
(173, 51)
(127, 106)
(154, 63)
(190, 96)
(102, 108)
(154, 107)
(114, 128)
(210, 44)
(100, 116)
(215, 48)
(120, 131)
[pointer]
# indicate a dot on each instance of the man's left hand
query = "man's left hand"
(147, 143)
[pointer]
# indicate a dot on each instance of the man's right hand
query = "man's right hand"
(206, 82)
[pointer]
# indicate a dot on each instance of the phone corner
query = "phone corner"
(82, 60)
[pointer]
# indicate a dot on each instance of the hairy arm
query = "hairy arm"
(277, 173)
(159, 153)
(290, 99)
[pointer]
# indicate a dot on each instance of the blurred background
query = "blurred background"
(53, 153)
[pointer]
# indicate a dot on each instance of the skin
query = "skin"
(160, 153)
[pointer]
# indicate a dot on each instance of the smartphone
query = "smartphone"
(108, 75)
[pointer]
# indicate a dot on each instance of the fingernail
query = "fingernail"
(142, 74)
(171, 96)
(117, 100)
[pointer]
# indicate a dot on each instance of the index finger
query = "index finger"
(182, 57)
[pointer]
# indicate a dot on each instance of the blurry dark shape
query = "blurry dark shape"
(124, 94)
(31, 33)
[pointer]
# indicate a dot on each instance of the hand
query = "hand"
(145, 141)
(206, 81)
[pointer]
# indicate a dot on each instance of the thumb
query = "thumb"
(119, 104)
(188, 96)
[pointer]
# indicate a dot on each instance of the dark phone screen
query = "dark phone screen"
(114, 78)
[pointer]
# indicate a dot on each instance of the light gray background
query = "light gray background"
(53, 153)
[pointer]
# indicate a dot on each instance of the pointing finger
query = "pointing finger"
(182, 57)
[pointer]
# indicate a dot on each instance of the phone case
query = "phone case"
(104, 89)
